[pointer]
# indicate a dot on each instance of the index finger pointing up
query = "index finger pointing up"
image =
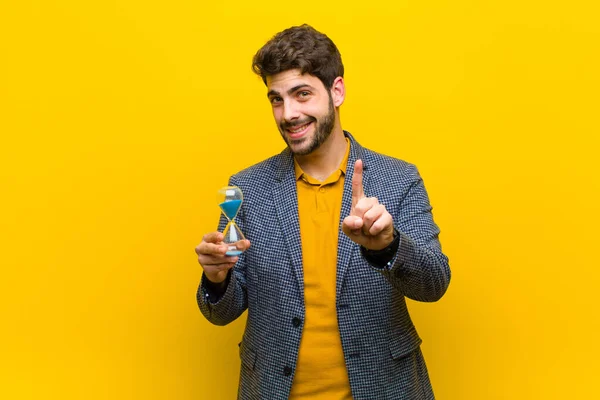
(357, 183)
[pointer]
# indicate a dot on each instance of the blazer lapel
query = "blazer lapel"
(345, 245)
(286, 204)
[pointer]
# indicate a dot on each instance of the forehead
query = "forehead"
(285, 80)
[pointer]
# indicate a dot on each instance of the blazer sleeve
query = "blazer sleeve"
(419, 269)
(229, 305)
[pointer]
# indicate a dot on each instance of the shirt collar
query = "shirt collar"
(341, 168)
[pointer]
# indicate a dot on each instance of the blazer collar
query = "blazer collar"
(347, 247)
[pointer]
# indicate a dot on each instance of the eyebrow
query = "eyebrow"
(290, 91)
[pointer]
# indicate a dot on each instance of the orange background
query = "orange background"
(120, 120)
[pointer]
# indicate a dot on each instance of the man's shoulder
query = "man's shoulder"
(263, 172)
(383, 165)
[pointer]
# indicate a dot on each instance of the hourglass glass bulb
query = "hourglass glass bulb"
(230, 200)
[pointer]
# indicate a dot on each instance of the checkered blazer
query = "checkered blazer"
(379, 340)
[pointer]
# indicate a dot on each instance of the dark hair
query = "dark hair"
(301, 47)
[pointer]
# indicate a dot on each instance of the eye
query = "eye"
(303, 94)
(275, 100)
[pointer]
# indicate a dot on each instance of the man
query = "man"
(327, 317)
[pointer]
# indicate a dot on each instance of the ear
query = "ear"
(338, 91)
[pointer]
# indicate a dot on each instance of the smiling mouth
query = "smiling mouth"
(296, 132)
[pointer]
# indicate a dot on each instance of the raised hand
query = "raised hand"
(369, 223)
(211, 255)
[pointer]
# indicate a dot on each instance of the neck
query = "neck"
(327, 158)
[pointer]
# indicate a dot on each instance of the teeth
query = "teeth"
(296, 130)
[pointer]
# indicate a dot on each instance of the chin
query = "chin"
(298, 146)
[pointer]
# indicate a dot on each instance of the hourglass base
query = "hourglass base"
(232, 253)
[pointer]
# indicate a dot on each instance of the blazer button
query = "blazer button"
(296, 322)
(287, 371)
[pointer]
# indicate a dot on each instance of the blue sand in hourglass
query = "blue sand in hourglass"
(230, 207)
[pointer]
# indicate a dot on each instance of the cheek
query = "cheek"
(318, 110)
(277, 115)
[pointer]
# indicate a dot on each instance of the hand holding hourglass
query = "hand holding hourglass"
(218, 251)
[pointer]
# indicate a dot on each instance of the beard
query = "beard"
(323, 128)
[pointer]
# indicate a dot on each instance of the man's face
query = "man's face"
(303, 110)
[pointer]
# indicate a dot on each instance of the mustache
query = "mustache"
(285, 125)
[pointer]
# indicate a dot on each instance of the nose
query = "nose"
(290, 111)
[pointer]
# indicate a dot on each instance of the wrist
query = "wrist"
(212, 281)
(383, 256)
(215, 290)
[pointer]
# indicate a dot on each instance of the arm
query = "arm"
(419, 269)
(221, 294)
(415, 263)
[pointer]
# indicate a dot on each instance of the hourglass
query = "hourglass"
(230, 200)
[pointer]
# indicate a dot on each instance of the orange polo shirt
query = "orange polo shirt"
(321, 370)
